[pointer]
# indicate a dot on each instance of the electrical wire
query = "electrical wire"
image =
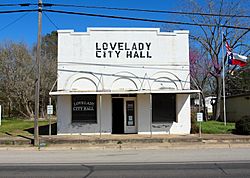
(128, 9)
(11, 5)
(145, 20)
(147, 10)
(17, 11)
(13, 22)
(51, 21)
(122, 17)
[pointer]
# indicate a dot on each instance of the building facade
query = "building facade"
(237, 106)
(123, 80)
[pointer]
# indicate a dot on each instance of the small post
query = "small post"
(200, 129)
(49, 112)
(49, 118)
(151, 117)
(223, 84)
(199, 119)
(100, 114)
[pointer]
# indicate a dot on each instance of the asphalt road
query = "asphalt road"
(216, 162)
(149, 170)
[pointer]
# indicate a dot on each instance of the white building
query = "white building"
(208, 103)
(123, 80)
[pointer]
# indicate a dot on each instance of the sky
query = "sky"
(22, 27)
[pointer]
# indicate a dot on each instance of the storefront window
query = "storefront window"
(84, 108)
(163, 108)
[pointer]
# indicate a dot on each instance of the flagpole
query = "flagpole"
(223, 82)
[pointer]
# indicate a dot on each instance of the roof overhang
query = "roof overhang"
(59, 93)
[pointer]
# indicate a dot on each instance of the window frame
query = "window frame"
(164, 111)
(82, 115)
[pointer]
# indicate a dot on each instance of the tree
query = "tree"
(17, 78)
(48, 67)
(238, 81)
(200, 67)
(210, 38)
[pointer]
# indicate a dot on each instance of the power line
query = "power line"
(125, 18)
(17, 11)
(51, 21)
(10, 5)
(147, 10)
(145, 20)
(129, 9)
(14, 21)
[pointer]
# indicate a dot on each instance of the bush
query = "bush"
(243, 126)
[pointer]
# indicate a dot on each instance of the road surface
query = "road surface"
(217, 162)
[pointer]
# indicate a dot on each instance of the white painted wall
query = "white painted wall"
(64, 114)
(183, 124)
(183, 117)
(143, 113)
(165, 67)
(78, 65)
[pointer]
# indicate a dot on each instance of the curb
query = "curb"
(50, 141)
(12, 141)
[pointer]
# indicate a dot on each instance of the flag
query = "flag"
(229, 49)
(237, 59)
(234, 58)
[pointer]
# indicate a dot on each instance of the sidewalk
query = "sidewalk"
(126, 139)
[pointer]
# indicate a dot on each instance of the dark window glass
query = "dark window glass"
(163, 107)
(84, 108)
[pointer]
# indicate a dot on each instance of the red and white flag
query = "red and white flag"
(237, 59)
(229, 49)
(234, 58)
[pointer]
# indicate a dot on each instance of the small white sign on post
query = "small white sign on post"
(199, 117)
(49, 109)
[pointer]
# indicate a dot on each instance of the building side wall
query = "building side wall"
(181, 126)
(98, 60)
(106, 112)
(65, 125)
(183, 114)
(143, 113)
(237, 107)
(166, 67)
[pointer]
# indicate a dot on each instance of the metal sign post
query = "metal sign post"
(49, 112)
(200, 119)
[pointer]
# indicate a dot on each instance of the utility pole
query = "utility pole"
(37, 90)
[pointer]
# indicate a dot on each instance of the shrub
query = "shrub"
(243, 126)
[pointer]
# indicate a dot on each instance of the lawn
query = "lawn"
(22, 127)
(215, 127)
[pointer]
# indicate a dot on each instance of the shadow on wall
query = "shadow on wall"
(44, 130)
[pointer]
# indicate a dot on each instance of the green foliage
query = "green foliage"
(238, 80)
(16, 126)
(215, 127)
(243, 126)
